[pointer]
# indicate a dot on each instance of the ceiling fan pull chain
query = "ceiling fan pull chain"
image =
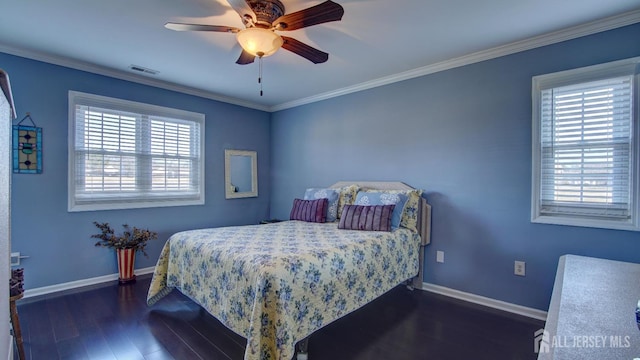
(260, 73)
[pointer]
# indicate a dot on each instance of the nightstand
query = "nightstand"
(270, 221)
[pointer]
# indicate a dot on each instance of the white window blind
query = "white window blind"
(129, 155)
(586, 143)
(585, 166)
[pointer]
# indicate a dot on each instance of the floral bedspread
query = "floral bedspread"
(277, 283)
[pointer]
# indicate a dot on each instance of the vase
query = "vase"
(126, 261)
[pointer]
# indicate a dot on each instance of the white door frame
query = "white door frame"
(7, 113)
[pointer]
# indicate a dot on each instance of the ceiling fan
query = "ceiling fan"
(262, 18)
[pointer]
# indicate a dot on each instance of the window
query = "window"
(585, 147)
(124, 154)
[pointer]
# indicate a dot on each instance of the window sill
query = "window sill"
(592, 223)
(132, 205)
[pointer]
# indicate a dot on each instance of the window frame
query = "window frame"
(613, 69)
(118, 105)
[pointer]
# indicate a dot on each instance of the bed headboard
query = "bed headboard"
(424, 217)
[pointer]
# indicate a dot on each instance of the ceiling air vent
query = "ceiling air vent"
(143, 69)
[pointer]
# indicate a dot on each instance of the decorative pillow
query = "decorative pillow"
(410, 214)
(384, 198)
(330, 194)
(309, 210)
(368, 218)
(347, 197)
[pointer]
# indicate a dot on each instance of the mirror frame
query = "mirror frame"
(227, 174)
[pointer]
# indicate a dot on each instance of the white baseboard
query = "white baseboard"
(442, 290)
(80, 283)
(485, 301)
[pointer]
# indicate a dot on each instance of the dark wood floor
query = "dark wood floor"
(114, 322)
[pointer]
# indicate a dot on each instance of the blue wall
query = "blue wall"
(463, 135)
(58, 242)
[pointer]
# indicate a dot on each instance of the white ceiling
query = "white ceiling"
(376, 42)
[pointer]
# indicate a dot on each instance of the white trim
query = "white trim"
(80, 283)
(485, 301)
(593, 27)
(589, 28)
(625, 67)
(139, 198)
(457, 294)
(631, 225)
(123, 75)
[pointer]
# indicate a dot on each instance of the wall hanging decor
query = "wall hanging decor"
(27, 147)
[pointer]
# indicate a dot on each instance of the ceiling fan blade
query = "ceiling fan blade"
(245, 58)
(199, 27)
(321, 13)
(243, 9)
(297, 47)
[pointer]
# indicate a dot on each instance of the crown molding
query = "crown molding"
(590, 28)
(122, 75)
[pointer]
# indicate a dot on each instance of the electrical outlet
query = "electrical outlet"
(15, 258)
(440, 256)
(519, 268)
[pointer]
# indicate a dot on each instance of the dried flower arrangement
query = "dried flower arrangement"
(130, 239)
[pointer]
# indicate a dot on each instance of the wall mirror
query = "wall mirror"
(240, 174)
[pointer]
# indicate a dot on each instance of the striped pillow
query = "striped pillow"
(369, 218)
(347, 197)
(309, 210)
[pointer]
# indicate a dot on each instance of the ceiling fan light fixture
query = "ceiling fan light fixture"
(259, 42)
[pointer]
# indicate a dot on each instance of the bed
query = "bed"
(277, 283)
